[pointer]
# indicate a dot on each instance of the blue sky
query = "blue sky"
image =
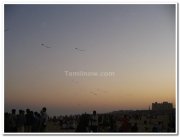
(137, 42)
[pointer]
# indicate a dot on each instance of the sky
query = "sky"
(134, 42)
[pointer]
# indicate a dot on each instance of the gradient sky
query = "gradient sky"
(137, 42)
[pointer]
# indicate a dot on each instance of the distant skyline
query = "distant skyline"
(134, 42)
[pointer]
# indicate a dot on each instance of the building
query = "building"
(162, 106)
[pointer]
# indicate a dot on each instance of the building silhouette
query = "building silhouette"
(162, 106)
